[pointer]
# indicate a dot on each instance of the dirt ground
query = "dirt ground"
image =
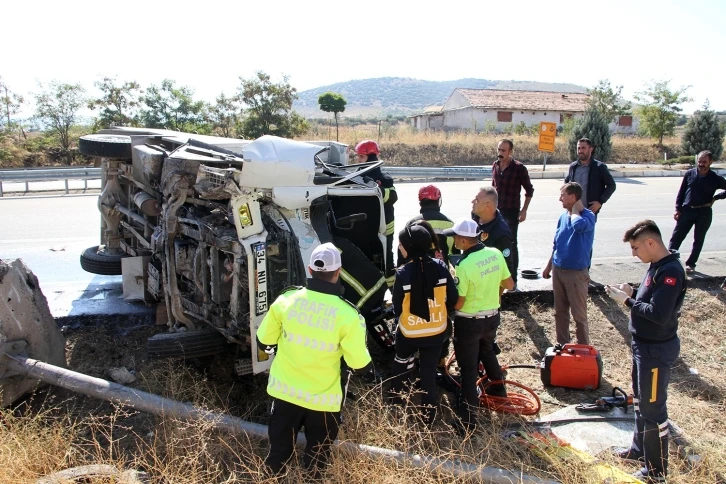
(55, 429)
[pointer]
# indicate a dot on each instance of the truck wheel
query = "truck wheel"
(96, 261)
(105, 145)
(192, 344)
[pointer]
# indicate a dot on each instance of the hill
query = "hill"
(402, 95)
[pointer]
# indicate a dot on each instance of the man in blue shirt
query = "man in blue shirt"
(693, 206)
(568, 265)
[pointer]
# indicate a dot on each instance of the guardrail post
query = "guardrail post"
(27, 188)
(1, 188)
(85, 184)
(66, 180)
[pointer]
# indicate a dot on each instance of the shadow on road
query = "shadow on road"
(630, 181)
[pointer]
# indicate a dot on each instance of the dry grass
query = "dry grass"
(56, 430)
(402, 145)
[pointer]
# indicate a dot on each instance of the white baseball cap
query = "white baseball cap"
(325, 258)
(465, 227)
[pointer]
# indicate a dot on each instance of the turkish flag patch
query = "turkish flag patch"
(671, 281)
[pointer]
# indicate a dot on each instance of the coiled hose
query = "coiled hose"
(523, 401)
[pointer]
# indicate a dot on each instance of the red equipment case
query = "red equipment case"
(572, 366)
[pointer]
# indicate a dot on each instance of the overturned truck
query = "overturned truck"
(215, 228)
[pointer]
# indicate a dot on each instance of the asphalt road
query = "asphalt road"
(634, 199)
(49, 233)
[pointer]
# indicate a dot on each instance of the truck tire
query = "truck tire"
(96, 261)
(105, 145)
(192, 344)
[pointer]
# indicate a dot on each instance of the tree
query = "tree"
(659, 109)
(269, 107)
(704, 132)
(224, 115)
(331, 102)
(118, 105)
(608, 100)
(595, 127)
(171, 107)
(58, 108)
(11, 103)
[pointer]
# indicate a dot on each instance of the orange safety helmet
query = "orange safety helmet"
(429, 192)
(367, 147)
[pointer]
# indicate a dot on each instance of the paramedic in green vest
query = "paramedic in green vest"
(309, 330)
(480, 274)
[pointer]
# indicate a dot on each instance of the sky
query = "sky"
(209, 45)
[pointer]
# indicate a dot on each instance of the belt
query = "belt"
(480, 315)
(699, 206)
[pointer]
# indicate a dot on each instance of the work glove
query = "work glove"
(616, 294)
(268, 349)
(626, 288)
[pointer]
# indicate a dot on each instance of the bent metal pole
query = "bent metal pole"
(154, 404)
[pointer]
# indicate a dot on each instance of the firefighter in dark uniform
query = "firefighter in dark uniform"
(423, 296)
(366, 151)
(309, 330)
(429, 199)
(654, 311)
(494, 231)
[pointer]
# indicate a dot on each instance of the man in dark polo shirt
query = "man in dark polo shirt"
(693, 206)
(494, 231)
(509, 176)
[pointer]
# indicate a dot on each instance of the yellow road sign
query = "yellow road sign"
(547, 133)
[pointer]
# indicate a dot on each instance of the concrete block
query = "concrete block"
(24, 316)
(537, 175)
(617, 174)
(553, 174)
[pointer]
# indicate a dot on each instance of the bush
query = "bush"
(593, 126)
(680, 160)
(704, 132)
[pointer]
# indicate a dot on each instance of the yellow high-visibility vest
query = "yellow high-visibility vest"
(312, 331)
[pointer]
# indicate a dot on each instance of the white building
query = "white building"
(494, 109)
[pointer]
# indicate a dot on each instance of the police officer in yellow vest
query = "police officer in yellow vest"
(309, 330)
(479, 275)
(423, 294)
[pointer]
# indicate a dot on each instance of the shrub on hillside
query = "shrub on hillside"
(704, 132)
(593, 126)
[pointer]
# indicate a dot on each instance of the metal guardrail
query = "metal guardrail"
(44, 175)
(454, 172)
(54, 174)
